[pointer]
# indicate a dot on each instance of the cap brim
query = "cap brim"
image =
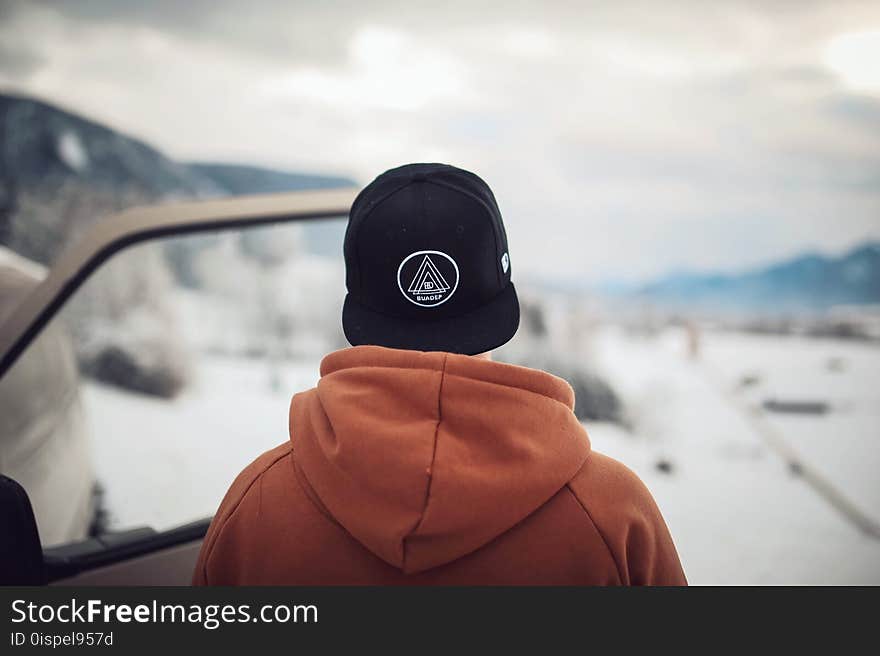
(482, 330)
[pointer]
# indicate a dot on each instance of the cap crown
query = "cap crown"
(426, 241)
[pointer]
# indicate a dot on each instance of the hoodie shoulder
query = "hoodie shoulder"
(629, 521)
(241, 487)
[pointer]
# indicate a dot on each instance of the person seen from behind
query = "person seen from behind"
(417, 459)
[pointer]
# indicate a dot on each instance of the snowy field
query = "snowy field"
(182, 455)
(736, 511)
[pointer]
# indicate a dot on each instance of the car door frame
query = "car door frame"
(139, 556)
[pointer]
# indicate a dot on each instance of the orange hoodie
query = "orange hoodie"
(406, 467)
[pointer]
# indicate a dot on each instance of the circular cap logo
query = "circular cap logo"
(427, 278)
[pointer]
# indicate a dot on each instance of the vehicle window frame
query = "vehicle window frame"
(79, 263)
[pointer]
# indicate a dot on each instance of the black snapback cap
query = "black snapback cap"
(426, 264)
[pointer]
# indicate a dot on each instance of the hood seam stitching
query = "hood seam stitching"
(598, 530)
(308, 490)
(224, 521)
(431, 465)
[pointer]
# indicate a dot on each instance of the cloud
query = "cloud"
(18, 63)
(622, 139)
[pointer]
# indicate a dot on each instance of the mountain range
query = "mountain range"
(59, 172)
(809, 282)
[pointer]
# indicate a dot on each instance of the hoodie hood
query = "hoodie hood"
(426, 457)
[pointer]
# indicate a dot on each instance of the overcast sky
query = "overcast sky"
(622, 139)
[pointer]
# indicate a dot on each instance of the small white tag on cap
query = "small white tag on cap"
(505, 263)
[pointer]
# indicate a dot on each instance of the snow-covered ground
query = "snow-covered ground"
(736, 512)
(179, 457)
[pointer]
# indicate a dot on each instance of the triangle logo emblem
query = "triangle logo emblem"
(427, 278)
